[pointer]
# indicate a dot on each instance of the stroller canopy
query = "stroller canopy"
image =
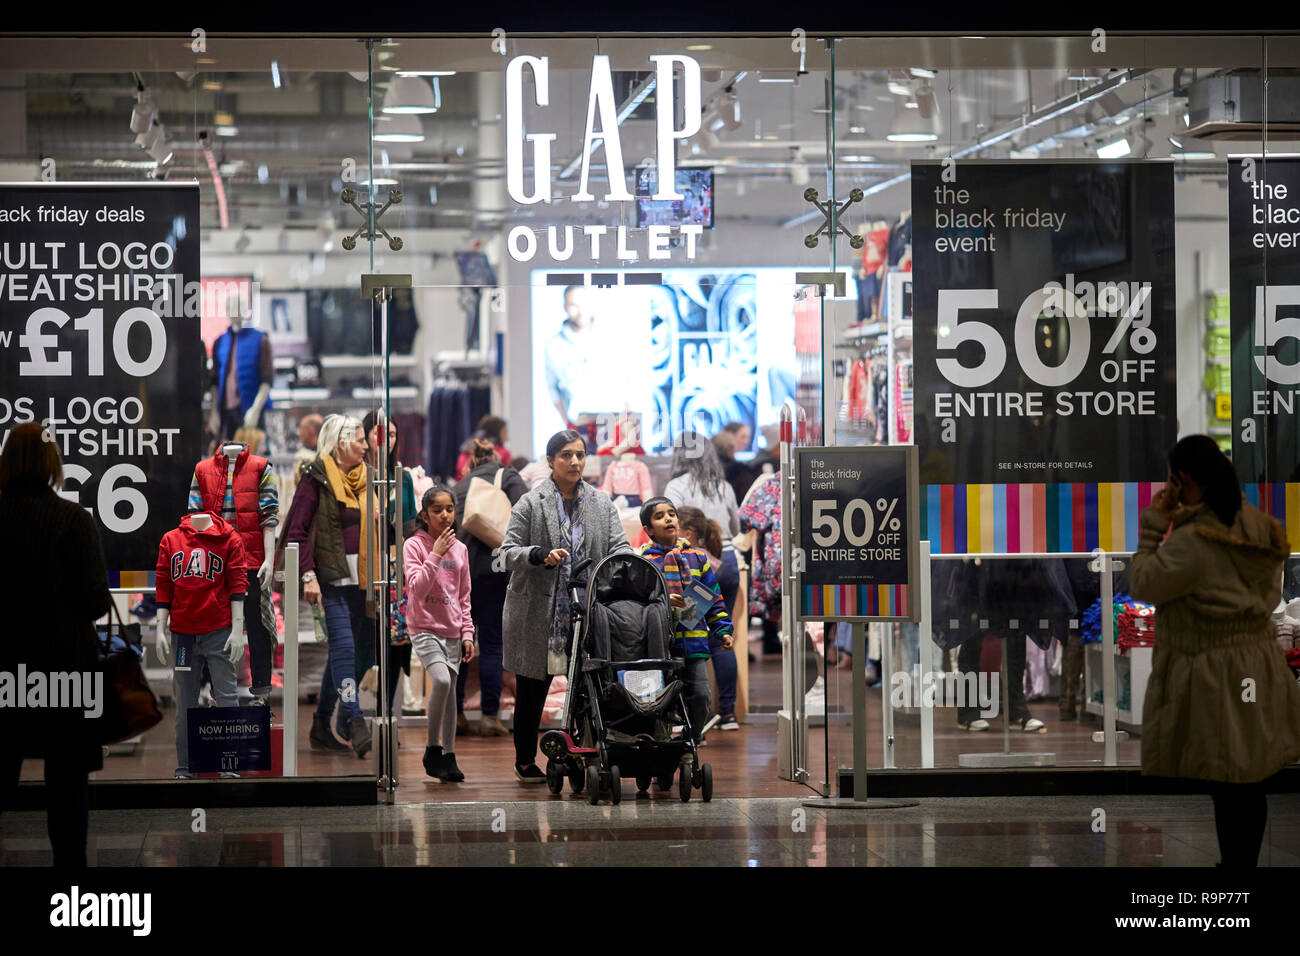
(629, 615)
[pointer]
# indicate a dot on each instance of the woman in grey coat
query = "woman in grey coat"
(557, 524)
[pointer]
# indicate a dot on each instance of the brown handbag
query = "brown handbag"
(130, 707)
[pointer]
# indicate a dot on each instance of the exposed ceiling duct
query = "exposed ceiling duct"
(1230, 106)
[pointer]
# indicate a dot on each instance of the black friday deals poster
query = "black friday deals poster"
(97, 283)
(1264, 309)
(1044, 321)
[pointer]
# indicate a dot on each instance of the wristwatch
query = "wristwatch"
(309, 577)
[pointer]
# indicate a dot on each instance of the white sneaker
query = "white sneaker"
(729, 723)
(1034, 726)
(976, 725)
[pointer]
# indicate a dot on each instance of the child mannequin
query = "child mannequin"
(438, 619)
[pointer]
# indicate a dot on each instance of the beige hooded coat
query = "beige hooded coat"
(1215, 589)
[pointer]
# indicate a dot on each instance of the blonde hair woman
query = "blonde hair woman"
(325, 521)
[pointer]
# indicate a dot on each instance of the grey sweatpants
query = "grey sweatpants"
(440, 657)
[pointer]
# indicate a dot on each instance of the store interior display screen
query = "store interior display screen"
(703, 348)
(695, 208)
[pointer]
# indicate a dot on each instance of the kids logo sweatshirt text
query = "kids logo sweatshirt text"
(199, 573)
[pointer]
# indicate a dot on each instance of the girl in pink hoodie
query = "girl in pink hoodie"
(438, 619)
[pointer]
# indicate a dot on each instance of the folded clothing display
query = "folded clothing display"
(1135, 622)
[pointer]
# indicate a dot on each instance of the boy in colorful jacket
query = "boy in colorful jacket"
(685, 568)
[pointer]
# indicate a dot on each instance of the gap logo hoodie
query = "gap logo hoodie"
(199, 573)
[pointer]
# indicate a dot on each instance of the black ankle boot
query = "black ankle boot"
(360, 733)
(322, 739)
(433, 762)
(450, 772)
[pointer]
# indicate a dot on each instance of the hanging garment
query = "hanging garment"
(761, 512)
(628, 478)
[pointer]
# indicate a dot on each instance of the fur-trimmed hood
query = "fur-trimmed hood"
(1255, 543)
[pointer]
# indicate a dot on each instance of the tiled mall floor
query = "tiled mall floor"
(657, 829)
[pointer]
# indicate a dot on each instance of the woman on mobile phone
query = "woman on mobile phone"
(1221, 705)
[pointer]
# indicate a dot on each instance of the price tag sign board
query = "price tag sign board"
(99, 341)
(1264, 230)
(1044, 304)
(857, 555)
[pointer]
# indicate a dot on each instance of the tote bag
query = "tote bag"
(130, 707)
(487, 510)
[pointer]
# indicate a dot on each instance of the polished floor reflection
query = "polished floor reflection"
(659, 830)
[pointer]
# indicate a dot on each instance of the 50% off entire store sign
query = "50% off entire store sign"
(856, 557)
(1044, 322)
(99, 342)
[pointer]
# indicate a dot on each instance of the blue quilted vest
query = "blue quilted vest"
(248, 350)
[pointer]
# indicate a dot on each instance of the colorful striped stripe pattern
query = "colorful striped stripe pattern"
(131, 579)
(1028, 519)
(1282, 501)
(863, 600)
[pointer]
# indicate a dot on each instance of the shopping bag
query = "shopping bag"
(487, 510)
(130, 707)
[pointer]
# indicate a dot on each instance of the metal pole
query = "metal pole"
(1108, 701)
(1006, 700)
(858, 652)
(925, 626)
(383, 707)
(886, 705)
(290, 689)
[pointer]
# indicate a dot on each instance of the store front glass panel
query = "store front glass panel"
(647, 324)
(1019, 163)
(216, 164)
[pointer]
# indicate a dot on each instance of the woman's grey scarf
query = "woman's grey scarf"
(557, 656)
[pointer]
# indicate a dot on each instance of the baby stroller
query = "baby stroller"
(625, 690)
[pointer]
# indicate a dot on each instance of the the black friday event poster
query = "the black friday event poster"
(1044, 321)
(1264, 305)
(99, 340)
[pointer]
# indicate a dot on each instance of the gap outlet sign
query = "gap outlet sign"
(100, 342)
(1044, 306)
(602, 132)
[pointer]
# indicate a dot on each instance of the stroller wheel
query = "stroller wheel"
(554, 777)
(684, 782)
(593, 785)
(706, 783)
(665, 783)
(643, 783)
(576, 777)
(615, 785)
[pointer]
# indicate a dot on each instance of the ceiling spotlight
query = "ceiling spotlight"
(399, 128)
(143, 113)
(411, 94)
(1119, 148)
(151, 136)
(162, 151)
(799, 175)
(910, 126)
(926, 101)
(186, 75)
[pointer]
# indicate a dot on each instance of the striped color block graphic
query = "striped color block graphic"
(1039, 519)
(863, 600)
(131, 579)
(1282, 501)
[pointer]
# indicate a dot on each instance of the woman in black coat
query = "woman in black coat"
(53, 577)
(487, 589)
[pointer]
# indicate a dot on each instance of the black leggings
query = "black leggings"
(1240, 815)
(67, 805)
(530, 701)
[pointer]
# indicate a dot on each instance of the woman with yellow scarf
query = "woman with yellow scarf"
(325, 521)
